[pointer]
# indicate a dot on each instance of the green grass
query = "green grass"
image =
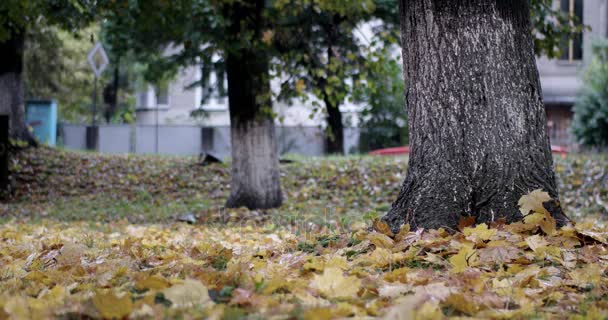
(333, 191)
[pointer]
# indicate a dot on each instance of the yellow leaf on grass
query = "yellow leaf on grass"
(405, 229)
(111, 306)
(318, 314)
(461, 303)
(337, 262)
(466, 257)
(17, 308)
(333, 284)
(152, 283)
(591, 274)
(382, 227)
(397, 275)
(380, 240)
(188, 294)
(480, 232)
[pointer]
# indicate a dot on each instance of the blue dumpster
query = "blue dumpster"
(41, 115)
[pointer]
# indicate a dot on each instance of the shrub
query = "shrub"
(590, 123)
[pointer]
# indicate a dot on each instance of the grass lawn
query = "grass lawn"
(90, 235)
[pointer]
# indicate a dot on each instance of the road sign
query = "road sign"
(98, 59)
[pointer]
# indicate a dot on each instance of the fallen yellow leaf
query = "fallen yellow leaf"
(188, 294)
(333, 284)
(111, 306)
(466, 257)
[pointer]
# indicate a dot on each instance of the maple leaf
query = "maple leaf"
(466, 257)
(111, 306)
(333, 284)
(403, 232)
(479, 233)
(498, 254)
(188, 294)
(543, 220)
(383, 228)
(536, 242)
(153, 283)
(380, 240)
(591, 274)
(462, 303)
(533, 202)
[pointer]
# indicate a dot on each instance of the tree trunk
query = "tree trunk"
(110, 94)
(334, 138)
(11, 86)
(476, 116)
(255, 162)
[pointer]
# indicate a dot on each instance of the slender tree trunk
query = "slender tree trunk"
(476, 116)
(11, 86)
(334, 139)
(110, 94)
(255, 162)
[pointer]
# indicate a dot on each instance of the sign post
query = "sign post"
(98, 60)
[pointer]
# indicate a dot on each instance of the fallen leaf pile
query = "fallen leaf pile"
(119, 270)
(95, 236)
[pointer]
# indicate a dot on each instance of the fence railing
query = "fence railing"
(191, 140)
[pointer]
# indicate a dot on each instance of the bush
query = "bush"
(590, 123)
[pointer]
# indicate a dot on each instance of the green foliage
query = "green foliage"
(590, 123)
(68, 79)
(383, 119)
(325, 58)
(19, 15)
(551, 27)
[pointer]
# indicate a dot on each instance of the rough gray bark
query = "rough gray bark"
(476, 116)
(255, 163)
(255, 180)
(11, 86)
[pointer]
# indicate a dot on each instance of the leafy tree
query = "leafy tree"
(16, 17)
(327, 57)
(476, 116)
(322, 55)
(168, 35)
(590, 123)
(68, 79)
(323, 58)
(383, 123)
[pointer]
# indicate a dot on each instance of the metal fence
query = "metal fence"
(193, 140)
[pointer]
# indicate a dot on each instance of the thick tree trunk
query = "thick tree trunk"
(11, 86)
(255, 162)
(476, 115)
(334, 139)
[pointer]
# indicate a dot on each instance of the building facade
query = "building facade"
(561, 80)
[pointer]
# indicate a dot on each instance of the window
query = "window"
(162, 95)
(572, 49)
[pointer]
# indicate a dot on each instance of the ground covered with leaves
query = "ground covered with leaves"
(92, 236)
